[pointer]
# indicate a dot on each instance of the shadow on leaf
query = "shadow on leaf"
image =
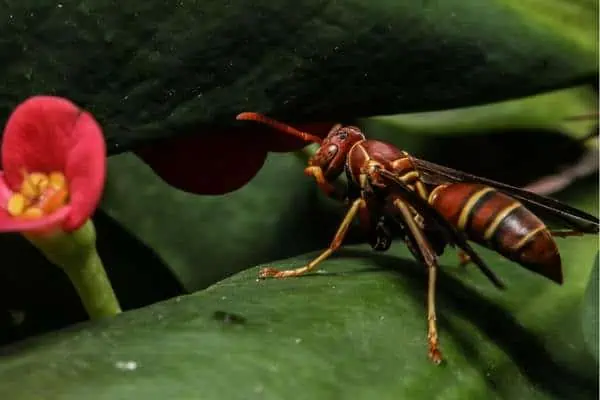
(456, 298)
(37, 297)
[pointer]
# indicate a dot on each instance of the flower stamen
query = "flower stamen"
(40, 194)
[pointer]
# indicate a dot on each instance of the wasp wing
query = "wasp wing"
(446, 228)
(436, 174)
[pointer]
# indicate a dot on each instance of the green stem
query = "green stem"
(94, 288)
(76, 254)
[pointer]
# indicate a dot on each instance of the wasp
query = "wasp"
(433, 207)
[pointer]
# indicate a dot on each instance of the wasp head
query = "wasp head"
(334, 149)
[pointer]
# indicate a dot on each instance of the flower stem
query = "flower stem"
(94, 288)
(76, 254)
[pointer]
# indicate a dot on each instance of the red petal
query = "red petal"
(47, 133)
(85, 170)
(5, 192)
(222, 161)
(209, 165)
(37, 137)
(8, 223)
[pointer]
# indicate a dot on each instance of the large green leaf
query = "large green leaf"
(156, 69)
(357, 329)
(205, 238)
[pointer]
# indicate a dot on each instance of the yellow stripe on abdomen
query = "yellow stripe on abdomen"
(467, 209)
(489, 232)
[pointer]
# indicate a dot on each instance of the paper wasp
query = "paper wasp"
(433, 206)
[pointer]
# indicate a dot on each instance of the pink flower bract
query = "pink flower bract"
(221, 161)
(47, 134)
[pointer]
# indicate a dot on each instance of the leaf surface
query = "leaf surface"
(156, 70)
(355, 329)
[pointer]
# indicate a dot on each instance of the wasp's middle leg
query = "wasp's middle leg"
(428, 256)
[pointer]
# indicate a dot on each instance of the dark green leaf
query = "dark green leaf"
(358, 332)
(355, 330)
(36, 296)
(157, 69)
(205, 238)
(590, 318)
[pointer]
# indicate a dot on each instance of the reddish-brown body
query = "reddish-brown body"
(501, 223)
(485, 215)
(432, 206)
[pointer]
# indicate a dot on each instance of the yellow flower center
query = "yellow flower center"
(39, 195)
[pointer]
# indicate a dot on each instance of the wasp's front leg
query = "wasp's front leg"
(335, 244)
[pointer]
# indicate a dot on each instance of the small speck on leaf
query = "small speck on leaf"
(126, 365)
(229, 318)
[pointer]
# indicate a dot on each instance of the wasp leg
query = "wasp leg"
(565, 233)
(429, 258)
(335, 244)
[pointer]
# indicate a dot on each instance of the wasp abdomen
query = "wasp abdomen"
(497, 221)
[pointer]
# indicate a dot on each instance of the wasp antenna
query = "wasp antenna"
(251, 116)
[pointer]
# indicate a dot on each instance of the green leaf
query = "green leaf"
(548, 111)
(575, 20)
(354, 330)
(152, 70)
(531, 133)
(206, 238)
(590, 318)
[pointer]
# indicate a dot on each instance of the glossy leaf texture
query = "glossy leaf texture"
(590, 320)
(155, 70)
(355, 329)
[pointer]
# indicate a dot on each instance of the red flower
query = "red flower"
(54, 166)
(220, 162)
